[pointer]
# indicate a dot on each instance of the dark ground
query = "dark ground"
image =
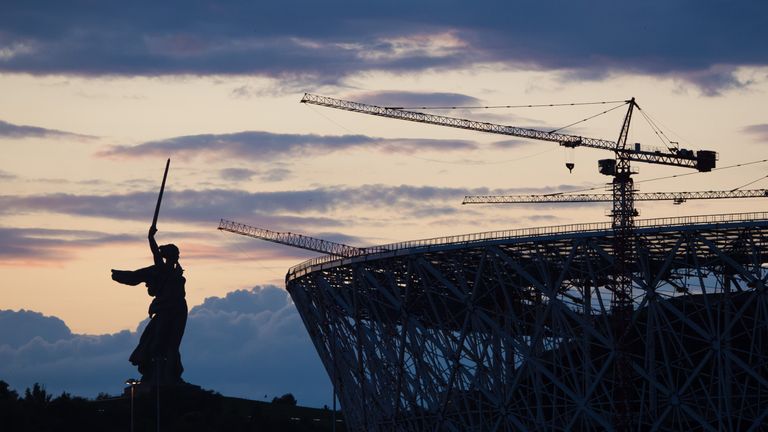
(182, 408)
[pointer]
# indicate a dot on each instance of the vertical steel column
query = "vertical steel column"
(623, 222)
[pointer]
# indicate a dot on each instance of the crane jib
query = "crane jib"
(295, 240)
(702, 160)
(580, 197)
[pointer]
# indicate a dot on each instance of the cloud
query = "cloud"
(414, 100)
(306, 211)
(252, 342)
(339, 38)
(258, 145)
(49, 329)
(9, 130)
(237, 174)
(276, 174)
(39, 244)
(280, 209)
(716, 79)
(43, 349)
(36, 246)
(246, 174)
(511, 143)
(759, 131)
(246, 344)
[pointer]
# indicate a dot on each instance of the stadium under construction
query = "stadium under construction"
(514, 331)
(628, 325)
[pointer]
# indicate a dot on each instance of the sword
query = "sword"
(160, 197)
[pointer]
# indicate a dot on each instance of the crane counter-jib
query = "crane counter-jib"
(702, 160)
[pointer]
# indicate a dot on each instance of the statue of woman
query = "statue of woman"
(157, 355)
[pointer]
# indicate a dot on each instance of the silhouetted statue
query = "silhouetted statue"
(157, 355)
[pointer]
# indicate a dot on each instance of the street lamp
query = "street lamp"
(133, 383)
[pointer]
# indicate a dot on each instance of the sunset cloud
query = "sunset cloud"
(41, 245)
(415, 99)
(207, 206)
(13, 131)
(261, 146)
(759, 131)
(699, 43)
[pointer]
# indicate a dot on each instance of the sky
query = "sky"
(95, 96)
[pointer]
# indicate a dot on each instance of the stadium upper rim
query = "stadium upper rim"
(559, 232)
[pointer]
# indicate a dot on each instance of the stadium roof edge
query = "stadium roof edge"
(547, 233)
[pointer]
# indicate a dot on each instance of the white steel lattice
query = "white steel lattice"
(516, 334)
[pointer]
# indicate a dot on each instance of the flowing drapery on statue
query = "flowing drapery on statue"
(157, 355)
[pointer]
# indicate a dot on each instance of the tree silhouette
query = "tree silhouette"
(37, 397)
(286, 399)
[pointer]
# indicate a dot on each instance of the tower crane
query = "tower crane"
(295, 240)
(702, 160)
(622, 197)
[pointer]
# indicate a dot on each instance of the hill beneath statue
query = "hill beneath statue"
(184, 408)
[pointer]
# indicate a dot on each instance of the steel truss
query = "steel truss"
(516, 334)
(678, 197)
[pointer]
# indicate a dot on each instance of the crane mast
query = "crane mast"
(623, 217)
(623, 223)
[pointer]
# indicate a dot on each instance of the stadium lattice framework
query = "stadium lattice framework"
(513, 330)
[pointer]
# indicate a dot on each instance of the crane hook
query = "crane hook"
(570, 158)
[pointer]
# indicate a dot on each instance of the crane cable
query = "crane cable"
(503, 106)
(621, 103)
(658, 122)
(588, 118)
(750, 183)
(483, 163)
(657, 130)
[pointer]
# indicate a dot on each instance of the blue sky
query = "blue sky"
(96, 95)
